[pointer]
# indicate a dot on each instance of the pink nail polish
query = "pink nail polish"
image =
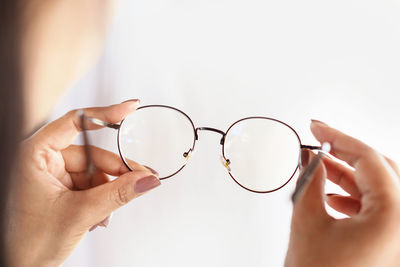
(131, 100)
(319, 122)
(305, 156)
(105, 222)
(331, 195)
(146, 183)
(93, 228)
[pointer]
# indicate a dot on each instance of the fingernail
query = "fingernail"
(330, 195)
(132, 100)
(93, 228)
(319, 122)
(305, 155)
(147, 183)
(105, 222)
(152, 170)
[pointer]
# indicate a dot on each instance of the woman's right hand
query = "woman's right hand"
(371, 236)
(54, 202)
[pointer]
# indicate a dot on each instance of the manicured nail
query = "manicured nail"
(305, 155)
(132, 100)
(319, 122)
(146, 183)
(152, 170)
(330, 195)
(93, 228)
(133, 103)
(105, 222)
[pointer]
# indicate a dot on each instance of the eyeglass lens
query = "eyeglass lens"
(157, 137)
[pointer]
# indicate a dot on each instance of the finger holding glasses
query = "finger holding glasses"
(370, 236)
(54, 202)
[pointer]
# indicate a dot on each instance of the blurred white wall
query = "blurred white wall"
(220, 60)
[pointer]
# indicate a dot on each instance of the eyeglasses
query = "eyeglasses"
(260, 154)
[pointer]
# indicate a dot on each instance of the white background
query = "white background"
(336, 61)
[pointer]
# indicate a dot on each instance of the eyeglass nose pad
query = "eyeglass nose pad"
(187, 155)
(226, 163)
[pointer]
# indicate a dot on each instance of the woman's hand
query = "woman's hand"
(371, 236)
(53, 203)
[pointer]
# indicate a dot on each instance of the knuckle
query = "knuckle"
(369, 156)
(121, 196)
(71, 115)
(34, 154)
(368, 151)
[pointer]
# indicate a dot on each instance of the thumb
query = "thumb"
(100, 201)
(311, 203)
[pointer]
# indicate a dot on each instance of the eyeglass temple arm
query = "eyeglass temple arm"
(103, 123)
(311, 147)
(300, 163)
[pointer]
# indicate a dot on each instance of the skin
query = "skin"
(53, 204)
(370, 236)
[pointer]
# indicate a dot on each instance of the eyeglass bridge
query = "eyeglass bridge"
(225, 162)
(211, 130)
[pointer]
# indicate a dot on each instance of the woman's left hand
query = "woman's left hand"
(53, 201)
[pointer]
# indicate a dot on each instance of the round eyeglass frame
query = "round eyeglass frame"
(224, 134)
(156, 106)
(271, 119)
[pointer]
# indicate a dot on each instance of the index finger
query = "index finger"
(59, 134)
(108, 162)
(373, 174)
(344, 147)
